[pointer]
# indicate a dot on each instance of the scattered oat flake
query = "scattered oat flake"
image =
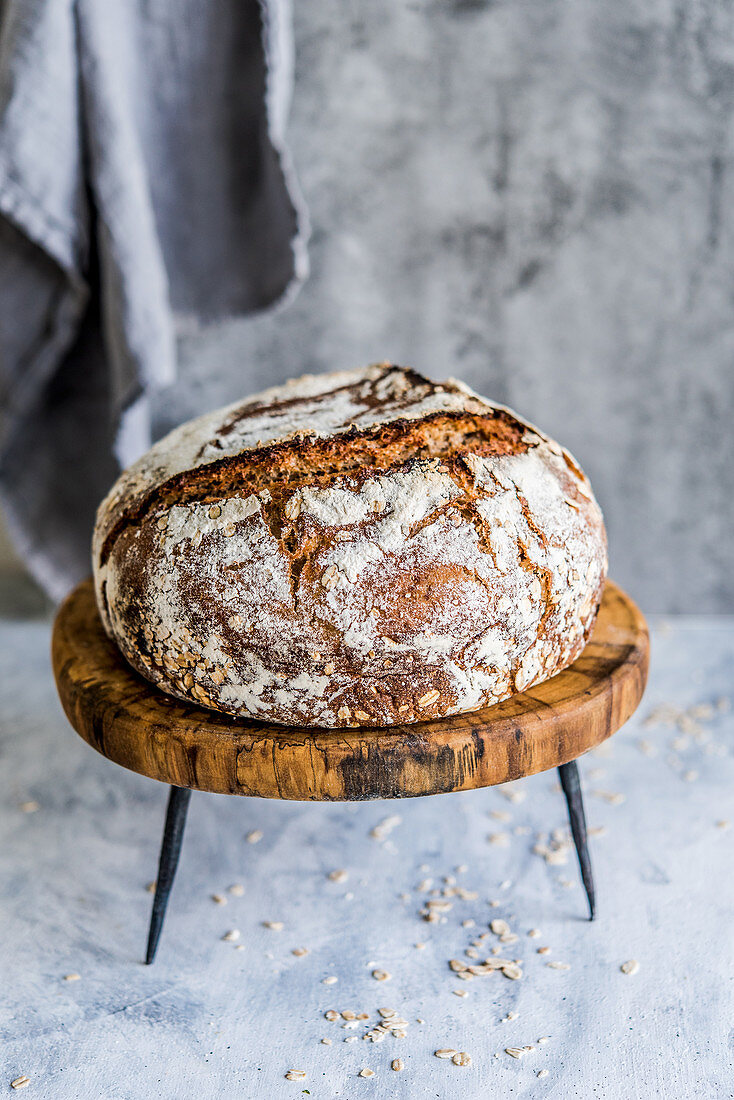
(231, 936)
(273, 925)
(544, 950)
(516, 1052)
(397, 1064)
(460, 992)
(515, 796)
(331, 1015)
(385, 827)
(219, 899)
(500, 840)
(510, 1016)
(445, 1052)
(556, 853)
(664, 715)
(331, 980)
(253, 836)
(543, 1040)
(338, 875)
(237, 890)
(499, 927)
(21, 1082)
(150, 887)
(512, 970)
(630, 967)
(614, 798)
(299, 952)
(534, 933)
(381, 975)
(461, 1058)
(439, 905)
(366, 1073)
(72, 977)
(542, 1073)
(296, 1075)
(419, 946)
(556, 965)
(326, 1042)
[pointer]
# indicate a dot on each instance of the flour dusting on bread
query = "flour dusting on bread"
(360, 548)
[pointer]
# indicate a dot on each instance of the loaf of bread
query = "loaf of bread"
(360, 548)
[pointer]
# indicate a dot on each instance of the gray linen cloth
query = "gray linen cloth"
(144, 182)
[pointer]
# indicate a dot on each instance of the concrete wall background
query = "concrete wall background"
(534, 197)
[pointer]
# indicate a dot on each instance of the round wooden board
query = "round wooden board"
(129, 721)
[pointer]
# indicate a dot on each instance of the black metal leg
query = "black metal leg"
(571, 785)
(178, 804)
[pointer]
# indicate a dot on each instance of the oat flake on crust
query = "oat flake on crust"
(238, 565)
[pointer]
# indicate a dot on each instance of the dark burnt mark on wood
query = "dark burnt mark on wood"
(380, 772)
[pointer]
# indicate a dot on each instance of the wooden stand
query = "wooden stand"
(129, 721)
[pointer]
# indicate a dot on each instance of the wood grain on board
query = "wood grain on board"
(129, 721)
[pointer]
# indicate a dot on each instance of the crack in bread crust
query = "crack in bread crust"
(392, 550)
(308, 460)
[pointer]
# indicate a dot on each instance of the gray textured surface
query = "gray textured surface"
(535, 197)
(208, 1020)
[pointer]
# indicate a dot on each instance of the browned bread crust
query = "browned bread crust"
(362, 548)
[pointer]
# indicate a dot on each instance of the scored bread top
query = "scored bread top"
(312, 406)
(364, 547)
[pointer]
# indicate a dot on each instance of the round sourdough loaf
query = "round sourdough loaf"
(360, 548)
